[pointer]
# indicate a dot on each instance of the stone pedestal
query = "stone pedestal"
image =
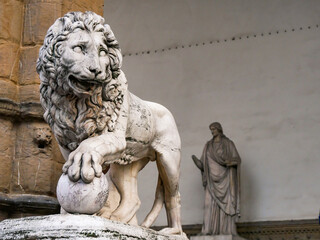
(69, 226)
(217, 237)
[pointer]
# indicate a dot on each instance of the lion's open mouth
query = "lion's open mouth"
(81, 85)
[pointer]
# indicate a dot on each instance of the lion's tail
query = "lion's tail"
(157, 205)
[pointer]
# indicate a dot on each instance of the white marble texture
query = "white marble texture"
(70, 226)
(80, 197)
(98, 122)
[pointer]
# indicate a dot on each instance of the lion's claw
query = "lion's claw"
(83, 164)
(87, 174)
(73, 174)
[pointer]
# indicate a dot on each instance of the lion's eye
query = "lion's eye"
(77, 49)
(102, 53)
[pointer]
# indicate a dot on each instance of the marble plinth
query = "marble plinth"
(69, 226)
(217, 237)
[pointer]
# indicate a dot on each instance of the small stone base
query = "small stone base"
(69, 226)
(217, 237)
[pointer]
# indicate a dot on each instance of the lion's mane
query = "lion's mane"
(73, 118)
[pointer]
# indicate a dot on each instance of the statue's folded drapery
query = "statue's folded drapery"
(222, 187)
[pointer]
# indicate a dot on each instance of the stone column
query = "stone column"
(30, 161)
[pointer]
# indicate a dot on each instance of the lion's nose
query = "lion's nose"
(95, 70)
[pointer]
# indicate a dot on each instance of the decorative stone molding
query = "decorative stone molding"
(27, 203)
(23, 110)
(42, 136)
(278, 230)
(270, 230)
(9, 108)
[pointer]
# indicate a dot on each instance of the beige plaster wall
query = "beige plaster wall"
(265, 90)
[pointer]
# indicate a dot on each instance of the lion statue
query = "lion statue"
(98, 122)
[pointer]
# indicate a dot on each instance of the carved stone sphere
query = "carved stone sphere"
(80, 197)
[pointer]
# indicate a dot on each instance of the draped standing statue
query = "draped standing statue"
(220, 168)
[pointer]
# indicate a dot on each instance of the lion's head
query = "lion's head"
(82, 85)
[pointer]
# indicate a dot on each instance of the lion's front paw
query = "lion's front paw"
(84, 164)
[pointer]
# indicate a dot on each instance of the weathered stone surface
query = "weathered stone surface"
(6, 153)
(76, 227)
(56, 155)
(3, 215)
(83, 5)
(28, 60)
(9, 59)
(58, 162)
(33, 163)
(25, 167)
(31, 110)
(29, 93)
(10, 20)
(80, 197)
(8, 90)
(9, 107)
(23, 111)
(39, 15)
(23, 205)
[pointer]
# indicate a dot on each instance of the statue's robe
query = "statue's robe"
(222, 187)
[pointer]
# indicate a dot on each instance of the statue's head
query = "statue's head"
(216, 129)
(79, 53)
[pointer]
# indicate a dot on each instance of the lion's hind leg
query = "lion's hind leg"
(167, 144)
(168, 164)
(157, 205)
